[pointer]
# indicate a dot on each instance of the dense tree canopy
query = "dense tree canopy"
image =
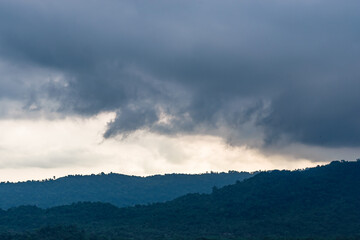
(120, 190)
(316, 203)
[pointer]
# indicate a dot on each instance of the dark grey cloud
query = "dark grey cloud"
(290, 68)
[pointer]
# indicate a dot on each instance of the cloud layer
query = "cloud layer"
(259, 73)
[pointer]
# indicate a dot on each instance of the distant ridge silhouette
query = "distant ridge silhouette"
(316, 203)
(118, 189)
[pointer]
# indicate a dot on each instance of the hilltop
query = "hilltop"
(316, 203)
(117, 189)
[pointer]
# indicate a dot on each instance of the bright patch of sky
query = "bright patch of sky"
(46, 148)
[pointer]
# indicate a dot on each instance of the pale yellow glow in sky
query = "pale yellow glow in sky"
(45, 148)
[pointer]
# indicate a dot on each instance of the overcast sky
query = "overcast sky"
(144, 87)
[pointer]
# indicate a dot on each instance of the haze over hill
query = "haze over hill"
(317, 203)
(120, 190)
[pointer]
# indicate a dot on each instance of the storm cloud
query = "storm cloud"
(289, 69)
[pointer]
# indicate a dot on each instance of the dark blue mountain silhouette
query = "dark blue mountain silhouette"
(120, 190)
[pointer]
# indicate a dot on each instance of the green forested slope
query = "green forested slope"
(317, 203)
(120, 190)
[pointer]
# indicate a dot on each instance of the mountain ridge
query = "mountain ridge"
(316, 203)
(118, 189)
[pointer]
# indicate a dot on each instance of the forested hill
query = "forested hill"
(120, 190)
(317, 203)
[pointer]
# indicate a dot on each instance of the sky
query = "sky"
(151, 87)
